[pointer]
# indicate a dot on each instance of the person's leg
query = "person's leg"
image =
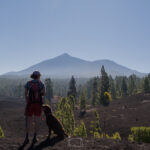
(37, 117)
(28, 120)
(36, 127)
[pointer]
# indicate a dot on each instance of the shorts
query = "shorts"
(33, 109)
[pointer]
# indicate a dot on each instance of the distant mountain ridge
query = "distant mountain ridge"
(64, 66)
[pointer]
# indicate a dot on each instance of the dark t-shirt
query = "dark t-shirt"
(27, 86)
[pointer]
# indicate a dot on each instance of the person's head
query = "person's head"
(47, 109)
(36, 75)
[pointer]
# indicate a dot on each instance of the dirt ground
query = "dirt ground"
(120, 116)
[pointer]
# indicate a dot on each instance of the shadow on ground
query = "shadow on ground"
(43, 144)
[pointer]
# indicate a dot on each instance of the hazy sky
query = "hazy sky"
(34, 30)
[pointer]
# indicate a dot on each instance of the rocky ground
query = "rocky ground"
(120, 116)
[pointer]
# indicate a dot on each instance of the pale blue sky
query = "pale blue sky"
(34, 30)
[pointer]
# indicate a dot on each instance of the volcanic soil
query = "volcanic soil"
(120, 116)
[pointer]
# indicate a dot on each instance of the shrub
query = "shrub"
(65, 114)
(108, 97)
(95, 125)
(97, 135)
(140, 134)
(103, 135)
(96, 130)
(1, 133)
(116, 136)
(80, 130)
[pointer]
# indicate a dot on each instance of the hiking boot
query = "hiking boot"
(26, 141)
(35, 140)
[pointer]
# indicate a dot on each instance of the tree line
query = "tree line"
(94, 90)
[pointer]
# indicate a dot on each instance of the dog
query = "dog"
(53, 123)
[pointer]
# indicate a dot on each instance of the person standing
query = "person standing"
(34, 93)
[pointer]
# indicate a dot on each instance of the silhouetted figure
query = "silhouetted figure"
(53, 123)
(34, 92)
(23, 145)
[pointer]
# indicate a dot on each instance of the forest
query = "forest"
(118, 87)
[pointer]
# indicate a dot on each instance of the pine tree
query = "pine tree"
(149, 79)
(1, 133)
(95, 93)
(146, 85)
(66, 116)
(104, 86)
(83, 100)
(95, 125)
(112, 88)
(124, 88)
(80, 130)
(72, 88)
(89, 87)
(49, 89)
(72, 102)
(104, 80)
(132, 86)
(118, 81)
(79, 91)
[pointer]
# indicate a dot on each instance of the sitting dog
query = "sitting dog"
(53, 123)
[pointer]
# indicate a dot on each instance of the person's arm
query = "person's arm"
(43, 91)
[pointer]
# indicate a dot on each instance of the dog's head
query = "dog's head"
(47, 109)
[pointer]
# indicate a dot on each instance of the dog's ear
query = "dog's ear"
(49, 110)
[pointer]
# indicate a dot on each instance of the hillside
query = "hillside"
(120, 116)
(64, 66)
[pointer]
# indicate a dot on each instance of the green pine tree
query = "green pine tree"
(95, 93)
(79, 91)
(83, 100)
(104, 86)
(72, 102)
(80, 130)
(66, 116)
(112, 88)
(149, 77)
(132, 86)
(146, 85)
(49, 89)
(118, 81)
(124, 88)
(72, 88)
(1, 133)
(95, 125)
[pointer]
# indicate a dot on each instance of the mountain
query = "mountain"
(64, 66)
